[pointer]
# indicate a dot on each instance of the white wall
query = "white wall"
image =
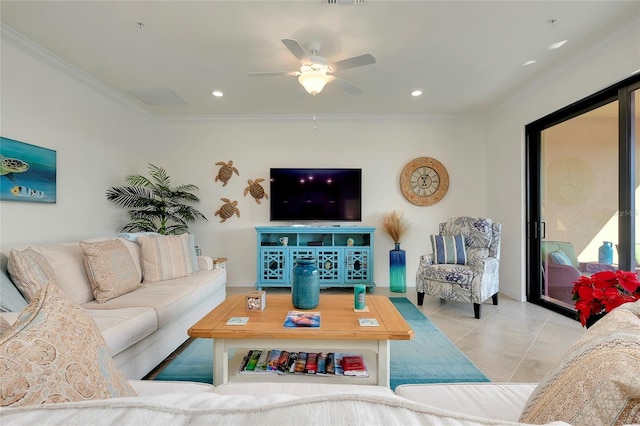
(98, 141)
(613, 60)
(380, 147)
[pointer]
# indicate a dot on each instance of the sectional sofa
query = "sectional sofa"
(55, 369)
(142, 290)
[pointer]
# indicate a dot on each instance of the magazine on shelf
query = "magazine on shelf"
(330, 367)
(353, 365)
(291, 365)
(312, 363)
(253, 360)
(301, 363)
(283, 362)
(244, 361)
(322, 363)
(296, 319)
(274, 357)
(263, 361)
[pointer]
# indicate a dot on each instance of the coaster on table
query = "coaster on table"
(365, 309)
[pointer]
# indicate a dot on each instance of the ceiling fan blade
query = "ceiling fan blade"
(273, 73)
(356, 61)
(346, 86)
(295, 48)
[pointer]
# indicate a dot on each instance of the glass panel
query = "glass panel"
(635, 243)
(579, 200)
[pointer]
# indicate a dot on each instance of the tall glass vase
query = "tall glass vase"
(397, 270)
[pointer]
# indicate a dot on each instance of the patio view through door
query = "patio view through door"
(583, 183)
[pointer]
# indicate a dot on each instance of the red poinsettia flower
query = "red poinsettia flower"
(628, 281)
(604, 291)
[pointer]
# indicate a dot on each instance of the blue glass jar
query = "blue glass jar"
(397, 270)
(605, 253)
(305, 289)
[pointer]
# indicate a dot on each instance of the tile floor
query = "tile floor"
(511, 342)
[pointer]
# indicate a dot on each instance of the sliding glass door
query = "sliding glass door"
(583, 176)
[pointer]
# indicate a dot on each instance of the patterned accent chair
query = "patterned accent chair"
(477, 279)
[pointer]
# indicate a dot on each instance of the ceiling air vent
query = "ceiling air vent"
(158, 97)
(345, 1)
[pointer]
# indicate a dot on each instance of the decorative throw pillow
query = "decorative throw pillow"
(4, 325)
(53, 353)
(30, 271)
(448, 249)
(165, 258)
(10, 298)
(110, 269)
(597, 381)
(560, 258)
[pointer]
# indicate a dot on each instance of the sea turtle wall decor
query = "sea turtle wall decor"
(256, 190)
(227, 209)
(9, 166)
(225, 172)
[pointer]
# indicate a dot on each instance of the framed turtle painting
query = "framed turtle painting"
(27, 172)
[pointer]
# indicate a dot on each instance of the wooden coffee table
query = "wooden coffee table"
(339, 331)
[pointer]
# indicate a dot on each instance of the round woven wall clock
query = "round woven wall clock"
(424, 181)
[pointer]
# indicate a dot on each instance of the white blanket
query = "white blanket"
(211, 409)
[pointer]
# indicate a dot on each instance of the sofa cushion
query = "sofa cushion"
(169, 301)
(30, 272)
(452, 274)
(496, 401)
(10, 298)
(110, 269)
(66, 261)
(165, 257)
(596, 382)
(54, 353)
(122, 328)
(448, 249)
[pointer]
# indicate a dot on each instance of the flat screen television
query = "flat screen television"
(315, 194)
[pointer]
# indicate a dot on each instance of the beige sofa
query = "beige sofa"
(143, 326)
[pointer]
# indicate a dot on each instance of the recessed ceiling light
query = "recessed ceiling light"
(217, 93)
(416, 93)
(529, 63)
(557, 44)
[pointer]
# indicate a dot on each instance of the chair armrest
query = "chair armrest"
(426, 259)
(593, 267)
(205, 263)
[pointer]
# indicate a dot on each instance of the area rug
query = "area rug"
(430, 357)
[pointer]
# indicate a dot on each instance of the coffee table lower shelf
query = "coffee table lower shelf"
(370, 360)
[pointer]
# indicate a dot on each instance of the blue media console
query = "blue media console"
(339, 264)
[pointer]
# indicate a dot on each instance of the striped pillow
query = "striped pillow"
(165, 257)
(448, 249)
(30, 271)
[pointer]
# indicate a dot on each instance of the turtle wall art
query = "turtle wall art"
(256, 190)
(226, 172)
(227, 210)
(27, 172)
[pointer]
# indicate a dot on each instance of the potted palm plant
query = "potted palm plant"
(154, 205)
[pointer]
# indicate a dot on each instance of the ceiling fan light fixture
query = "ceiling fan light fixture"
(313, 81)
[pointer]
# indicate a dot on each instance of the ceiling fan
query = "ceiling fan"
(316, 71)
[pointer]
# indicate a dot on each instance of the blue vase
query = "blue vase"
(397, 270)
(305, 290)
(605, 253)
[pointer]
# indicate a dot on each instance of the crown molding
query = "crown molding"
(33, 49)
(24, 44)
